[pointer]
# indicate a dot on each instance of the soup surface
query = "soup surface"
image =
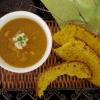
(22, 42)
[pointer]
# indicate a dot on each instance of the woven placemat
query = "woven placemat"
(27, 80)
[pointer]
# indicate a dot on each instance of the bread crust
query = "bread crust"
(79, 69)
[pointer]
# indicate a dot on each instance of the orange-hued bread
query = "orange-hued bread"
(79, 51)
(78, 69)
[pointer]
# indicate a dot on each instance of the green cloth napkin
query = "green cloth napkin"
(62, 10)
(87, 11)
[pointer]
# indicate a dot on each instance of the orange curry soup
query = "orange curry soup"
(22, 42)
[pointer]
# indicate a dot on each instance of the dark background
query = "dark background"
(34, 6)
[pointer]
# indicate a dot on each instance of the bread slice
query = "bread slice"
(67, 33)
(91, 40)
(73, 69)
(79, 51)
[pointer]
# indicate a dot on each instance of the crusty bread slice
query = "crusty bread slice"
(67, 33)
(91, 40)
(79, 51)
(72, 68)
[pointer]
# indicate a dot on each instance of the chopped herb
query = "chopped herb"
(20, 40)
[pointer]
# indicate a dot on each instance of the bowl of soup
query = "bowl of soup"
(25, 41)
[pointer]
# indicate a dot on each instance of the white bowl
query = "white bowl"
(23, 14)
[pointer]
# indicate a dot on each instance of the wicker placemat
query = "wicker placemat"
(12, 80)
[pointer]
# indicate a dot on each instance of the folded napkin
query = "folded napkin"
(86, 11)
